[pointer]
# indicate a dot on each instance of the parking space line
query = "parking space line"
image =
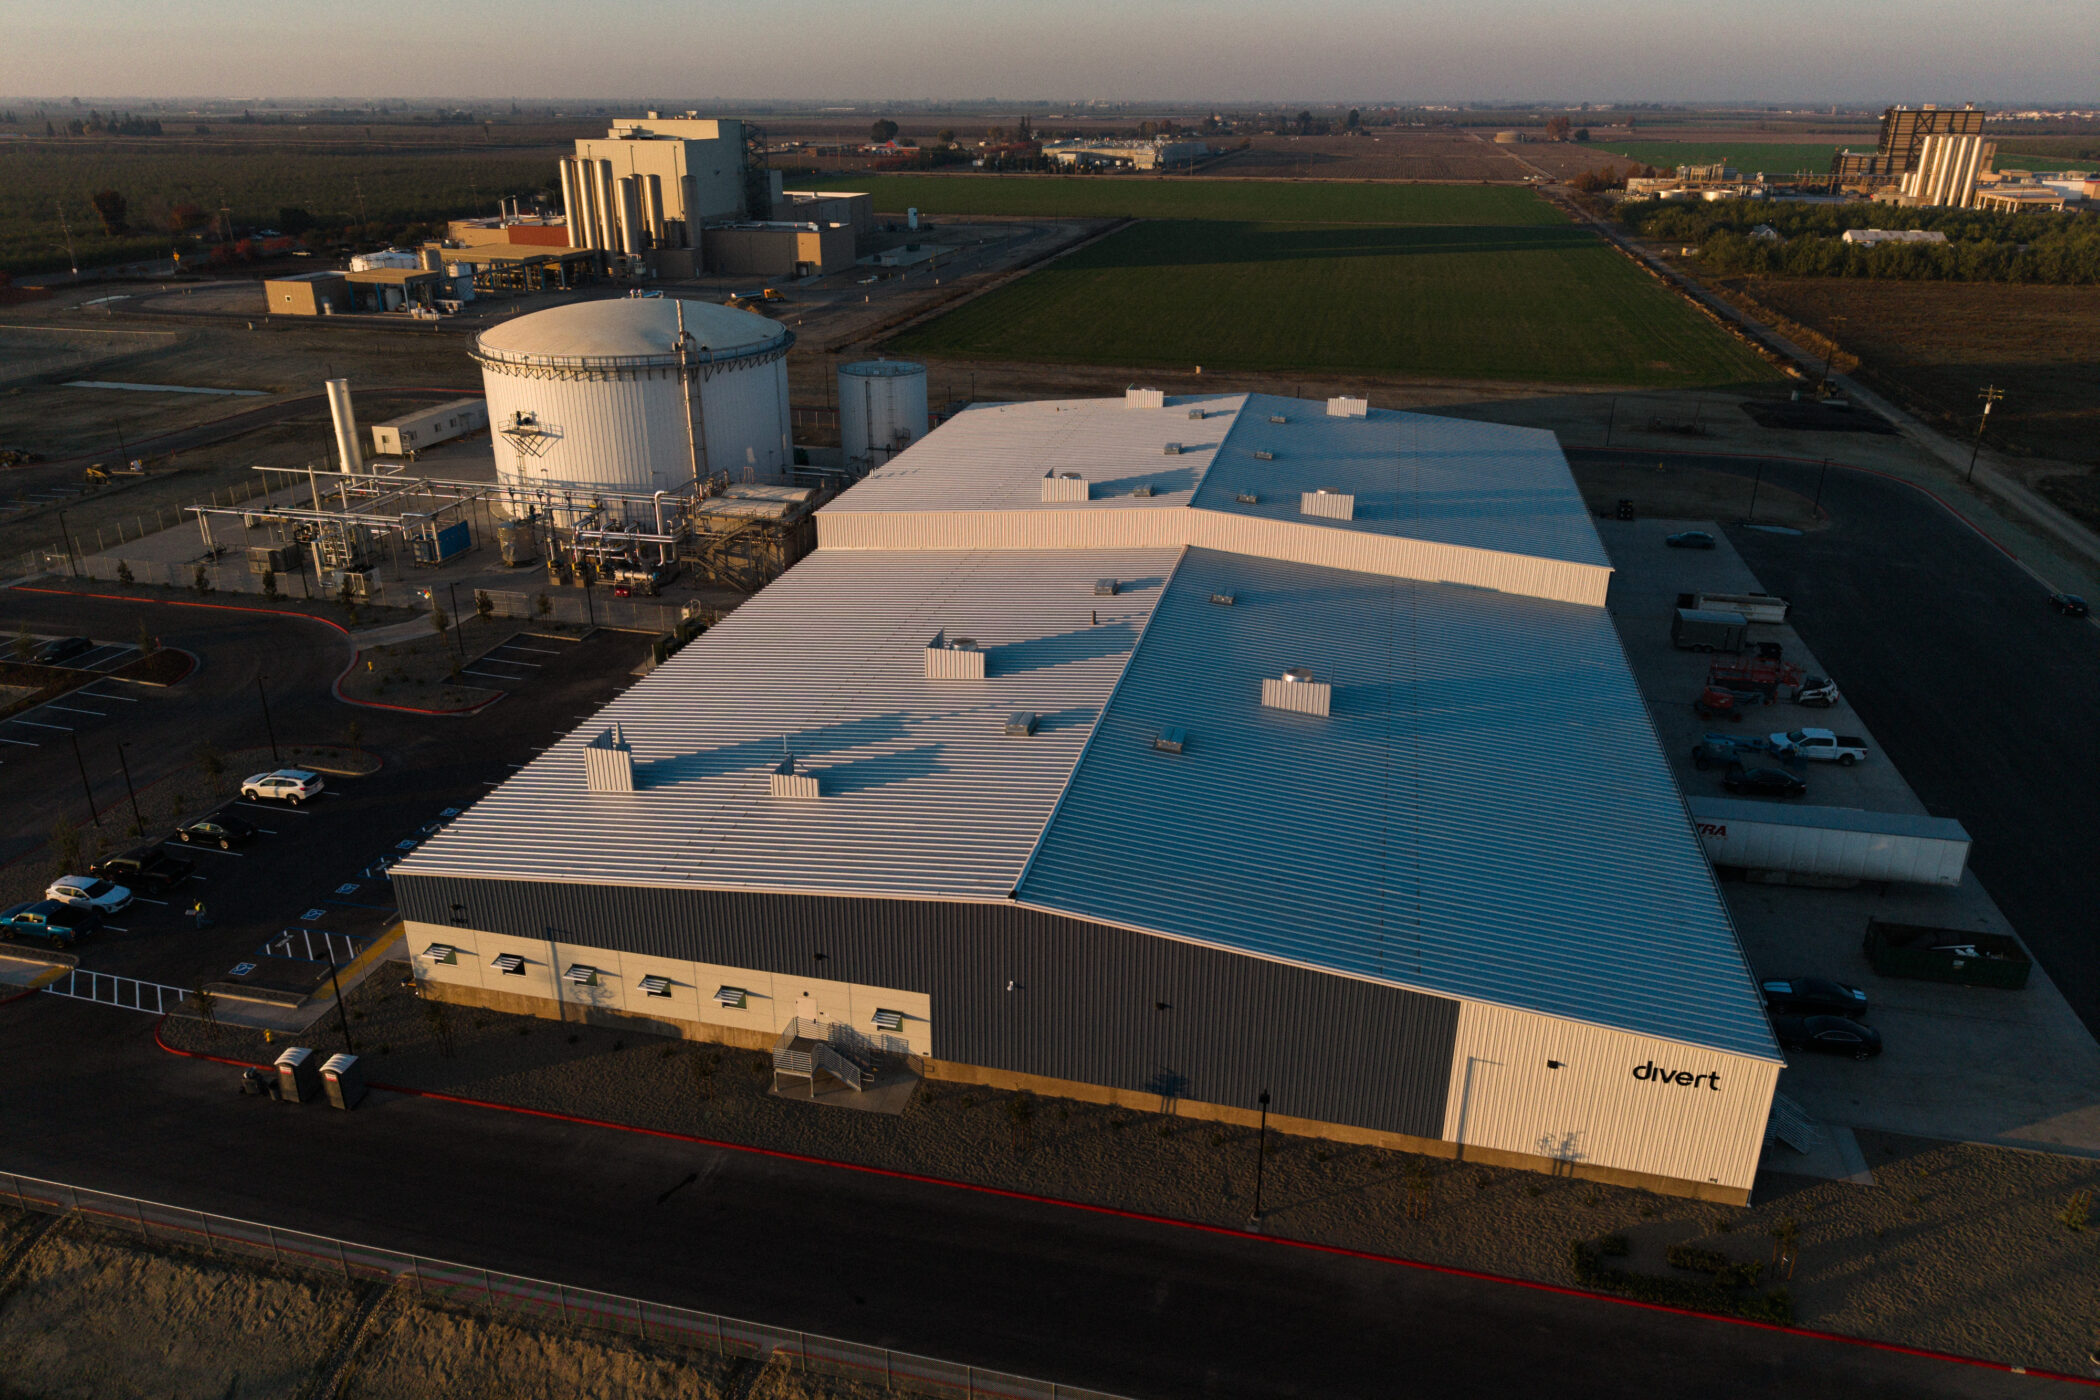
(492, 675)
(34, 725)
(115, 928)
(506, 661)
(544, 651)
(208, 850)
(24, 743)
(98, 695)
(147, 899)
(263, 807)
(76, 710)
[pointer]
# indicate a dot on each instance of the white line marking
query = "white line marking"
(34, 725)
(76, 710)
(208, 850)
(544, 651)
(260, 807)
(506, 661)
(98, 695)
(492, 675)
(148, 899)
(23, 743)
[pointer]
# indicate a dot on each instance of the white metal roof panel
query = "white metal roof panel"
(922, 791)
(1486, 812)
(645, 327)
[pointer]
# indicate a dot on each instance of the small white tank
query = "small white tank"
(882, 411)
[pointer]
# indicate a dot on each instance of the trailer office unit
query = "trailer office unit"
(1836, 843)
(1456, 908)
(427, 427)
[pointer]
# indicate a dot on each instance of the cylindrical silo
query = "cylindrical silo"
(346, 444)
(571, 205)
(597, 396)
(630, 216)
(882, 410)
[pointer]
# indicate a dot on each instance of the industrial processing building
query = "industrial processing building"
(1166, 751)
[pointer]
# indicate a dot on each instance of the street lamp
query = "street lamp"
(85, 786)
(1990, 396)
(268, 728)
(66, 538)
(138, 821)
(337, 983)
(1261, 1152)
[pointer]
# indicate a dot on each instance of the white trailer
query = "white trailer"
(1755, 607)
(427, 427)
(1837, 843)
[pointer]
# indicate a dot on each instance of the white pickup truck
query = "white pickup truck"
(1821, 744)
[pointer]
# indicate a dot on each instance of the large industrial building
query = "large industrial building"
(1926, 156)
(1163, 751)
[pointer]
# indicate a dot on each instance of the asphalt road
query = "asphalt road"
(1987, 700)
(1086, 1299)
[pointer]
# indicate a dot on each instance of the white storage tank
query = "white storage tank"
(595, 394)
(882, 410)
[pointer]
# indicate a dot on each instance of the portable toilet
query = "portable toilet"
(345, 1080)
(298, 1078)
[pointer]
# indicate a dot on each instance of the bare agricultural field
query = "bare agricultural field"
(1389, 153)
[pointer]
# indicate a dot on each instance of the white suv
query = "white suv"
(293, 785)
(89, 892)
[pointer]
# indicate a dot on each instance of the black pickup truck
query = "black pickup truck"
(148, 868)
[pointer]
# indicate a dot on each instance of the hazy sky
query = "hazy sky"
(1059, 50)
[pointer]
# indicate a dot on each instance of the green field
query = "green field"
(1531, 300)
(1141, 197)
(1772, 157)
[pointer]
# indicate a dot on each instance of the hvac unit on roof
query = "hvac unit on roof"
(1224, 600)
(1297, 691)
(1173, 449)
(1171, 740)
(655, 986)
(608, 764)
(1105, 587)
(1144, 398)
(731, 996)
(1247, 498)
(1278, 418)
(1064, 486)
(1020, 724)
(953, 659)
(1196, 415)
(1262, 454)
(790, 781)
(1347, 407)
(582, 975)
(1328, 502)
(509, 964)
(1144, 491)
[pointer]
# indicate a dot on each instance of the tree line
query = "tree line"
(1789, 239)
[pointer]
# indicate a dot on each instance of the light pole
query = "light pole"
(1756, 485)
(1261, 1152)
(85, 786)
(66, 538)
(268, 728)
(1990, 396)
(337, 983)
(138, 820)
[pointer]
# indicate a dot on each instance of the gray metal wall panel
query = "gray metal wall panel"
(1084, 1007)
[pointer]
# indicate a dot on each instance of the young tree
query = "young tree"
(484, 605)
(269, 584)
(124, 574)
(200, 579)
(1582, 133)
(111, 207)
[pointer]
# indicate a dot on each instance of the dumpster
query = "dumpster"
(298, 1077)
(1947, 955)
(345, 1081)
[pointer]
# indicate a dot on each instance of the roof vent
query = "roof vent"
(1171, 740)
(790, 781)
(1346, 407)
(1145, 398)
(1020, 724)
(1064, 486)
(953, 659)
(1264, 455)
(582, 975)
(1224, 600)
(509, 964)
(1335, 505)
(1173, 449)
(1196, 415)
(1104, 588)
(1247, 498)
(608, 764)
(1278, 418)
(731, 996)
(442, 953)
(887, 1020)
(1141, 491)
(1296, 690)
(655, 986)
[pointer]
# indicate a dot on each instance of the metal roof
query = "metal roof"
(1735, 809)
(922, 792)
(1485, 812)
(645, 327)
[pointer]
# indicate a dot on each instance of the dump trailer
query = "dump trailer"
(1756, 607)
(1962, 956)
(1830, 843)
(1697, 629)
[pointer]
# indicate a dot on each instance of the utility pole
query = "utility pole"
(138, 820)
(342, 1017)
(268, 728)
(1261, 1152)
(66, 538)
(1990, 395)
(85, 786)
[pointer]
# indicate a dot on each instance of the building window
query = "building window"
(657, 986)
(510, 965)
(442, 953)
(731, 996)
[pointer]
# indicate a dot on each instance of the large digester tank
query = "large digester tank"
(882, 410)
(604, 395)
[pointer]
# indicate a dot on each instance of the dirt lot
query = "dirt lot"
(1934, 345)
(1692, 493)
(1960, 1247)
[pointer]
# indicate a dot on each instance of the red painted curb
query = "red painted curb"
(1338, 1251)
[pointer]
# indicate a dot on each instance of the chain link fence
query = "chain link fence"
(535, 1299)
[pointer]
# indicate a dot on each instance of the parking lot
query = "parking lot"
(2016, 1067)
(518, 660)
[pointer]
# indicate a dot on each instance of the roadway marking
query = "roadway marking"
(208, 850)
(312, 914)
(493, 675)
(34, 725)
(506, 661)
(98, 695)
(115, 928)
(76, 710)
(350, 888)
(148, 899)
(23, 743)
(544, 651)
(270, 807)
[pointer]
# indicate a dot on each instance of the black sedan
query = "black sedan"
(60, 649)
(218, 829)
(1828, 1035)
(1812, 996)
(1762, 782)
(1690, 539)
(2069, 604)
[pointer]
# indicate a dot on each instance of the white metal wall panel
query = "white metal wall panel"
(1592, 1111)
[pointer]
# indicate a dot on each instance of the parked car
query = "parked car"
(219, 828)
(55, 923)
(1819, 692)
(1720, 750)
(148, 868)
(1820, 744)
(2069, 604)
(1828, 1035)
(1690, 539)
(293, 785)
(1812, 996)
(59, 649)
(89, 892)
(1762, 782)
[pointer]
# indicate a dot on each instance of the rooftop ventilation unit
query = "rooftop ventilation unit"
(1262, 454)
(1247, 498)
(1224, 600)
(1297, 691)
(509, 964)
(1104, 588)
(655, 986)
(1278, 418)
(608, 764)
(1173, 449)
(790, 781)
(1346, 407)
(1171, 740)
(581, 975)
(731, 996)
(1064, 486)
(953, 659)
(1020, 724)
(1333, 504)
(1145, 491)
(1196, 415)
(1145, 398)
